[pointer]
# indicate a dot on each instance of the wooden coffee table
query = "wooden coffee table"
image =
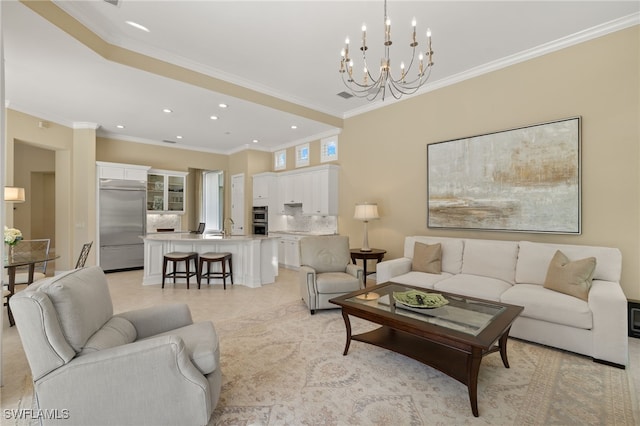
(452, 338)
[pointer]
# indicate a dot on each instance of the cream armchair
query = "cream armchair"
(150, 366)
(326, 271)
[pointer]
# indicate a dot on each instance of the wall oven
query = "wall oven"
(260, 229)
(260, 220)
(260, 214)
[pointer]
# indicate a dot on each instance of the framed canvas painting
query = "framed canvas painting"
(520, 180)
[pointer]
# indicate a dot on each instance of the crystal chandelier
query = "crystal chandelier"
(371, 87)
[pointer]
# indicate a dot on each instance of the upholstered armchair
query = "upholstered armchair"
(150, 366)
(326, 270)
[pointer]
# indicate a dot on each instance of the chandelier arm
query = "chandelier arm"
(358, 90)
(406, 89)
(359, 86)
(407, 70)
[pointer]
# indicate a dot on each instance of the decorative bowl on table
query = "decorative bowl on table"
(419, 299)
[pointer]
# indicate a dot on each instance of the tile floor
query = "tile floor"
(209, 303)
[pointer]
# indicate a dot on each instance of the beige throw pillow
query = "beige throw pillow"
(427, 258)
(572, 278)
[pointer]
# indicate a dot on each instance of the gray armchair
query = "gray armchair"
(326, 270)
(150, 366)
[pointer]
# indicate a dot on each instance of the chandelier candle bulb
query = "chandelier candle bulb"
(364, 37)
(387, 32)
(413, 36)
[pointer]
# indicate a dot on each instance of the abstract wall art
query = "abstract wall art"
(520, 180)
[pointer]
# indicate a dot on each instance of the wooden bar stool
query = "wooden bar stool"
(210, 258)
(175, 258)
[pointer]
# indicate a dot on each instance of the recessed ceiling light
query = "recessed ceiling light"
(223, 105)
(294, 127)
(214, 117)
(120, 126)
(167, 110)
(255, 141)
(178, 137)
(138, 26)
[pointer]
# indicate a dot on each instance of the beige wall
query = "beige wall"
(35, 171)
(383, 153)
(51, 136)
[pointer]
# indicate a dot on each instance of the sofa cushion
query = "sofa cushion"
(116, 332)
(336, 282)
(201, 340)
(550, 306)
(534, 259)
(427, 258)
(83, 303)
(420, 279)
(452, 249)
(496, 259)
(570, 277)
(474, 286)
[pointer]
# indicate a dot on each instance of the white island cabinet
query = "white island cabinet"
(255, 258)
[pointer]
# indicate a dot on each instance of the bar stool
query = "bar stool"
(175, 258)
(210, 258)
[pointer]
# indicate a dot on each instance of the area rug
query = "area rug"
(285, 367)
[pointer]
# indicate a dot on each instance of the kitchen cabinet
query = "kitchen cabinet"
(315, 188)
(264, 189)
(121, 171)
(288, 250)
(291, 188)
(166, 191)
(322, 196)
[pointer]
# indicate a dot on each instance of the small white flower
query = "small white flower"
(12, 236)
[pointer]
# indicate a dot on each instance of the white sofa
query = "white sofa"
(514, 272)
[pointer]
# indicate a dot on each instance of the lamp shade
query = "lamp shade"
(366, 212)
(14, 194)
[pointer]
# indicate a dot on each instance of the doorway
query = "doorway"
(212, 200)
(43, 205)
(237, 204)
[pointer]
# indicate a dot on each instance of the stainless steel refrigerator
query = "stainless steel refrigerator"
(123, 217)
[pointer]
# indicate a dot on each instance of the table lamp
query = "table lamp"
(366, 212)
(14, 194)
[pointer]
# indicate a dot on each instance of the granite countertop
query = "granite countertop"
(303, 233)
(166, 236)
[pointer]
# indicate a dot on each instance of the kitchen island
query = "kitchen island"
(255, 258)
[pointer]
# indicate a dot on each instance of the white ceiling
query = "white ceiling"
(287, 49)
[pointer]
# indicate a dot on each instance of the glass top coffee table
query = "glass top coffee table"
(452, 338)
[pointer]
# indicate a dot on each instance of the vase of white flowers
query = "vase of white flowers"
(11, 238)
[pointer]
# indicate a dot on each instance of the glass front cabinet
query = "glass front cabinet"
(165, 191)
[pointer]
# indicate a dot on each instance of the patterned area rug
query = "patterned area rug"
(286, 366)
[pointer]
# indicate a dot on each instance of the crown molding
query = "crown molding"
(78, 125)
(40, 114)
(316, 137)
(526, 55)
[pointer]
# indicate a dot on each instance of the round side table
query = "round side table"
(377, 254)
